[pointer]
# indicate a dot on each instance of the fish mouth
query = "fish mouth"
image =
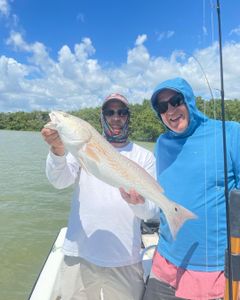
(54, 121)
(53, 117)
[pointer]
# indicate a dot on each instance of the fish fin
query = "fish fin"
(91, 152)
(177, 216)
(81, 161)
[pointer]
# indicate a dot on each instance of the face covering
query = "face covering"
(112, 137)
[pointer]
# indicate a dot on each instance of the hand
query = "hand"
(53, 139)
(132, 197)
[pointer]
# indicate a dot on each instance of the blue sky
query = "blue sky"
(71, 54)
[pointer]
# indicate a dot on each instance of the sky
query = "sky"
(71, 54)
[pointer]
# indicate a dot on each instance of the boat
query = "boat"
(47, 284)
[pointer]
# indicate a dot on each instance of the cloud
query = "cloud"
(141, 39)
(75, 79)
(81, 17)
(165, 35)
(16, 40)
(4, 8)
(204, 30)
(235, 31)
(169, 34)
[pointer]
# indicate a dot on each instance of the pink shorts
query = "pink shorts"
(189, 284)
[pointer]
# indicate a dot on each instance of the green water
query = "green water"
(31, 211)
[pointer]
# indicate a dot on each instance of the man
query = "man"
(190, 168)
(103, 240)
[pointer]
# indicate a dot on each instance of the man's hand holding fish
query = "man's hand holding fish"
(132, 197)
(53, 139)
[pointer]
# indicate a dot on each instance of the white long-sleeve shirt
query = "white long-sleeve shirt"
(102, 228)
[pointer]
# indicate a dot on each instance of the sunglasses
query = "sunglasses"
(120, 112)
(175, 101)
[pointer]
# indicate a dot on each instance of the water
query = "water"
(31, 211)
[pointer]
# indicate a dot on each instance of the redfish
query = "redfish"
(99, 158)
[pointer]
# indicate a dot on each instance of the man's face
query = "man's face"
(116, 114)
(176, 117)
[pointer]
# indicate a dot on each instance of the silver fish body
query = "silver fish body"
(99, 158)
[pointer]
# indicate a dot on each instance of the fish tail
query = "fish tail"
(177, 216)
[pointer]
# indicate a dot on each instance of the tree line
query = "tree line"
(144, 125)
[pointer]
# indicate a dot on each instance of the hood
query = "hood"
(180, 85)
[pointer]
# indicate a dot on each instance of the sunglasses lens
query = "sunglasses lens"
(121, 112)
(108, 112)
(163, 107)
(175, 101)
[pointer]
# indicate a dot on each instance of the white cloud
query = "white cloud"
(141, 39)
(204, 29)
(138, 57)
(11, 74)
(235, 31)
(169, 33)
(16, 40)
(4, 8)
(165, 35)
(75, 78)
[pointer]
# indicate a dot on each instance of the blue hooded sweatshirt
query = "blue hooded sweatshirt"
(190, 169)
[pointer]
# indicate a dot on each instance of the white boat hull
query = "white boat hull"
(47, 286)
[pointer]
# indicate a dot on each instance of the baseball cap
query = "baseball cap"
(115, 96)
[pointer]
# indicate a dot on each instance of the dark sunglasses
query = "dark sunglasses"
(120, 112)
(175, 101)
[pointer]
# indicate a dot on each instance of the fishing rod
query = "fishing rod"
(228, 286)
(234, 211)
(232, 207)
